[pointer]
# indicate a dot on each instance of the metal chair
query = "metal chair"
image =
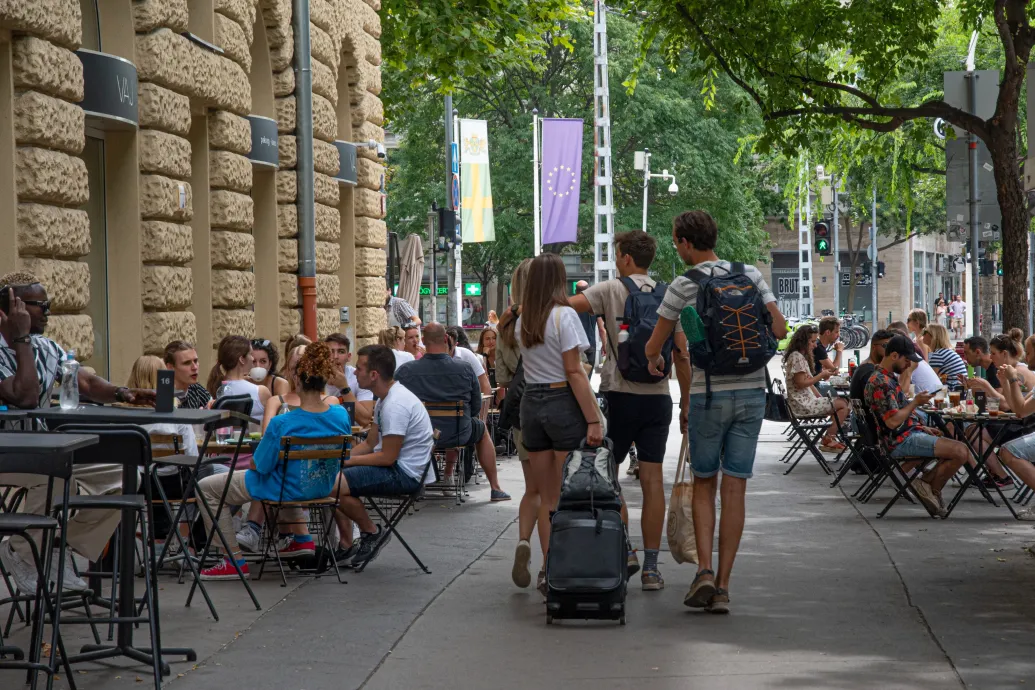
(456, 411)
(391, 510)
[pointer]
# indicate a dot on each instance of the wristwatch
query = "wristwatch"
(22, 339)
(121, 394)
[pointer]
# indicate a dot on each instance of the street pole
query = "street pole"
(873, 262)
(837, 253)
(536, 208)
(433, 236)
(646, 184)
(1031, 275)
(458, 274)
(972, 152)
(450, 304)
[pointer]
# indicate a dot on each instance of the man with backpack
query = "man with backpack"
(639, 406)
(731, 331)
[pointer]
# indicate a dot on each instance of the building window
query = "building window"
(97, 259)
(918, 279)
(91, 25)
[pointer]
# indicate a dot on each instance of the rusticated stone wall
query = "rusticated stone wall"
(180, 79)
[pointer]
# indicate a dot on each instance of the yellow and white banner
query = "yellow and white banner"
(475, 187)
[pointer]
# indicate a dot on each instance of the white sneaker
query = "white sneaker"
(72, 582)
(1028, 515)
(249, 540)
(22, 572)
(925, 493)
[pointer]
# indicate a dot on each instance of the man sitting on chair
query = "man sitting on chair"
(904, 428)
(391, 460)
(437, 377)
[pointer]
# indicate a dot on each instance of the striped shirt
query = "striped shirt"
(947, 362)
(682, 293)
(48, 356)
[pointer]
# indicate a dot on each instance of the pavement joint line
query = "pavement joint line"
(905, 589)
(420, 614)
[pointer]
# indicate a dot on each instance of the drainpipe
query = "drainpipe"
(304, 141)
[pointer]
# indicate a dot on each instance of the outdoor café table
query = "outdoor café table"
(975, 442)
(11, 417)
(98, 414)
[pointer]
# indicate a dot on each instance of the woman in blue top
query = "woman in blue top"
(304, 480)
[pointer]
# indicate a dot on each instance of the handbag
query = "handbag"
(682, 542)
(776, 409)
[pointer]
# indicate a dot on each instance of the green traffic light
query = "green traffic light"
(822, 245)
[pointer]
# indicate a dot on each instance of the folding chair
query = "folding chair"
(807, 430)
(52, 466)
(854, 448)
(399, 507)
(449, 410)
(316, 452)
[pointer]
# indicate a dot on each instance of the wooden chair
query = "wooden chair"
(456, 411)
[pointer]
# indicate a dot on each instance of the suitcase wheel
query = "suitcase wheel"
(621, 621)
(549, 619)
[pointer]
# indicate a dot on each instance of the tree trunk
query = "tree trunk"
(1010, 193)
(501, 297)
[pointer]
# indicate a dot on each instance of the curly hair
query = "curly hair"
(800, 343)
(17, 279)
(315, 367)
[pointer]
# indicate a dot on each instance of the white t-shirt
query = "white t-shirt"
(462, 354)
(242, 387)
(401, 413)
(544, 363)
(186, 433)
(958, 309)
(401, 358)
(925, 379)
(362, 394)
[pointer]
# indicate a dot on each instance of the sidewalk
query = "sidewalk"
(823, 596)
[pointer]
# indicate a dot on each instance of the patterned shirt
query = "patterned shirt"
(195, 397)
(885, 398)
(48, 356)
(399, 311)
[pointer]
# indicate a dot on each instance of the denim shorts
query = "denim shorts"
(370, 480)
(551, 419)
(726, 433)
(918, 444)
(1023, 447)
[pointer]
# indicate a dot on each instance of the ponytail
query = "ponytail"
(215, 379)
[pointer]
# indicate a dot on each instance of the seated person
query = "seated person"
(303, 480)
(976, 354)
(802, 396)
(460, 350)
(88, 530)
(412, 341)
(182, 358)
(344, 385)
(919, 374)
(1019, 454)
(392, 458)
(904, 428)
(394, 337)
(437, 377)
(944, 360)
(862, 374)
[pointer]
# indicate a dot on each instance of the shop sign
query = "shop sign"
(264, 142)
(347, 170)
(109, 90)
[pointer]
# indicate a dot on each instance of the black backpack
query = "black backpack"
(738, 325)
(638, 319)
(590, 479)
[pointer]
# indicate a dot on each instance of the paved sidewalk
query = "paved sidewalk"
(823, 596)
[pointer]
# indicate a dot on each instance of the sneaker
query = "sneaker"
(344, 556)
(633, 468)
(224, 571)
(701, 590)
(540, 583)
(249, 540)
(499, 495)
(71, 582)
(1028, 515)
(651, 580)
(991, 481)
(23, 572)
(719, 603)
(925, 494)
(632, 564)
(520, 574)
(297, 548)
(370, 546)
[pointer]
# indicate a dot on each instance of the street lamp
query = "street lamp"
(641, 161)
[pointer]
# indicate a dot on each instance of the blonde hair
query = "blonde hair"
(939, 337)
(144, 373)
(291, 367)
(388, 336)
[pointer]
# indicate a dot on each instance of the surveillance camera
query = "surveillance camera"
(673, 189)
(381, 151)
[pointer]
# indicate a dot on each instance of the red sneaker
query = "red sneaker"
(297, 548)
(223, 571)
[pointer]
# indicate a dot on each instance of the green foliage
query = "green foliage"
(666, 114)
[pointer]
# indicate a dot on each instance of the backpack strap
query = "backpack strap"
(697, 275)
(629, 284)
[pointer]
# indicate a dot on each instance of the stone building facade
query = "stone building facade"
(164, 228)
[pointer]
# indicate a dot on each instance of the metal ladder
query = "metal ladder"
(603, 191)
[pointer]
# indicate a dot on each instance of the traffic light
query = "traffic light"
(880, 269)
(986, 267)
(447, 225)
(999, 268)
(821, 231)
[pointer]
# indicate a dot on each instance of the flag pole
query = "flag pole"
(535, 183)
(458, 281)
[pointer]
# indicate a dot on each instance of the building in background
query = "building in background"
(148, 169)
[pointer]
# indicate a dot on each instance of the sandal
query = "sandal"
(701, 590)
(835, 447)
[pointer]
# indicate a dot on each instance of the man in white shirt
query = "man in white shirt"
(958, 316)
(463, 354)
(393, 458)
(347, 387)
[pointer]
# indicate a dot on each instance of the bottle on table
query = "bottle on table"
(69, 394)
(223, 433)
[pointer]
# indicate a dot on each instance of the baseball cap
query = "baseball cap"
(904, 346)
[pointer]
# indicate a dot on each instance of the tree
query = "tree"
(811, 64)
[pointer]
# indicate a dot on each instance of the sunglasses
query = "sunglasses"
(260, 343)
(43, 304)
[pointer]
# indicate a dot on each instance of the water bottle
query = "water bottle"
(223, 433)
(623, 334)
(69, 382)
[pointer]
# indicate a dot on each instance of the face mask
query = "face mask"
(257, 374)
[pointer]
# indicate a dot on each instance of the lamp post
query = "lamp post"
(642, 162)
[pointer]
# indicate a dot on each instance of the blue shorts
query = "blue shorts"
(918, 444)
(726, 434)
(369, 480)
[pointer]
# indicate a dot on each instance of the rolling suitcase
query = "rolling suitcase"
(586, 566)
